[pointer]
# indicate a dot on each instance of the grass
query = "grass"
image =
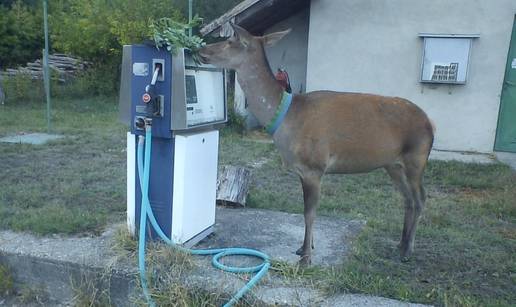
(125, 245)
(71, 185)
(168, 266)
(36, 296)
(90, 291)
(21, 294)
(6, 281)
(465, 245)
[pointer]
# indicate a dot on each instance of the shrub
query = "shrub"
(97, 81)
(101, 80)
(22, 88)
(236, 122)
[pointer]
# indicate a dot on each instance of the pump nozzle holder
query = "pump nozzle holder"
(155, 75)
(148, 123)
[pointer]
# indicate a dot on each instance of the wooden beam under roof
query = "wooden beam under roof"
(256, 15)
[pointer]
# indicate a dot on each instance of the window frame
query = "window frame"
(426, 36)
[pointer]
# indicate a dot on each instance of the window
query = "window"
(446, 58)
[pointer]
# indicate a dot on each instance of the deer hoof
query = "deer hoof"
(404, 259)
(299, 252)
(305, 260)
(405, 253)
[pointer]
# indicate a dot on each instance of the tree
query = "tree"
(97, 29)
(92, 29)
(8, 3)
(206, 9)
(21, 34)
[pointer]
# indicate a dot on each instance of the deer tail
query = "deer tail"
(433, 125)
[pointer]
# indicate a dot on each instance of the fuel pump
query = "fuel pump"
(184, 103)
(173, 107)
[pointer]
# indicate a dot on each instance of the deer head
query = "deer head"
(241, 47)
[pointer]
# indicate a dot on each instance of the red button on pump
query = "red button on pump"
(146, 98)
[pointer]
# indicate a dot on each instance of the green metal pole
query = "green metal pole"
(190, 16)
(46, 76)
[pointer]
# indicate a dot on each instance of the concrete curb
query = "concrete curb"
(58, 278)
(58, 264)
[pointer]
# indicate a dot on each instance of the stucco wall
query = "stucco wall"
(373, 46)
(290, 52)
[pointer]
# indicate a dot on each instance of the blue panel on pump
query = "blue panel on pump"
(144, 59)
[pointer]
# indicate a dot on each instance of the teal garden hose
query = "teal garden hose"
(144, 144)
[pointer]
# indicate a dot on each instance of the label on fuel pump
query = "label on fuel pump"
(146, 98)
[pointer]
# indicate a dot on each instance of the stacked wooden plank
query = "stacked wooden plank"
(65, 66)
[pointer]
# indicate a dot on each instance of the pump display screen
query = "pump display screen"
(191, 91)
(204, 96)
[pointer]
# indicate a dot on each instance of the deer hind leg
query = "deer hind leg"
(397, 173)
(311, 192)
(299, 251)
(414, 167)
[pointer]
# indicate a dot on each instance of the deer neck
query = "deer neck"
(261, 89)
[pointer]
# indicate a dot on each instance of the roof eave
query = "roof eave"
(255, 15)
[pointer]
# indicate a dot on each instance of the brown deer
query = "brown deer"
(333, 132)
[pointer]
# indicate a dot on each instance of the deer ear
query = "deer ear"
(272, 38)
(241, 34)
(239, 30)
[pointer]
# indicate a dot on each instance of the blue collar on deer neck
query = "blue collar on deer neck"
(281, 112)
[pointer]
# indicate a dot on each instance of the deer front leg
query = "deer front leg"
(311, 192)
(299, 251)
